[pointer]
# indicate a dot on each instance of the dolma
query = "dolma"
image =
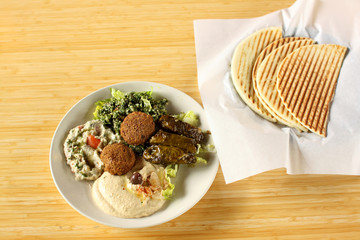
(171, 139)
(161, 154)
(177, 126)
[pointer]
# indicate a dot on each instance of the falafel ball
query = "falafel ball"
(118, 158)
(137, 128)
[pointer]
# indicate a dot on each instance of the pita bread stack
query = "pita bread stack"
(289, 80)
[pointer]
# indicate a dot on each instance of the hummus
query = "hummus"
(83, 159)
(118, 196)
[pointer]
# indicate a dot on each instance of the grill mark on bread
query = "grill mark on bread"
(268, 70)
(287, 74)
(304, 110)
(324, 119)
(285, 110)
(323, 94)
(327, 94)
(289, 51)
(258, 42)
(311, 75)
(291, 85)
(309, 113)
(263, 45)
(286, 70)
(271, 84)
(308, 81)
(241, 64)
(319, 93)
(297, 104)
(294, 94)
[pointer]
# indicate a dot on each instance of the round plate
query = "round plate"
(191, 183)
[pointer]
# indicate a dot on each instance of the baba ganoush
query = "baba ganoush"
(124, 197)
(83, 146)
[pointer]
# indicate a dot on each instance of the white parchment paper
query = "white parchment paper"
(247, 144)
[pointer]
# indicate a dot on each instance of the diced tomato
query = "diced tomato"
(92, 141)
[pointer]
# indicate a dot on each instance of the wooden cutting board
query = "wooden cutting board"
(53, 53)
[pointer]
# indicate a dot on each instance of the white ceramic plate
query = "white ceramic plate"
(191, 184)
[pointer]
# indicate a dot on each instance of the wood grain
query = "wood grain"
(53, 53)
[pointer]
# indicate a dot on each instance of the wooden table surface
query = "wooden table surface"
(53, 53)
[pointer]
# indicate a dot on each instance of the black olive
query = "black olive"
(136, 178)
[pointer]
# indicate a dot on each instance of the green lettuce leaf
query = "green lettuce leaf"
(202, 151)
(99, 105)
(117, 94)
(170, 171)
(189, 117)
(200, 160)
(208, 148)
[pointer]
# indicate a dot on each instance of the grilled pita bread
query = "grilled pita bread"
(306, 83)
(265, 83)
(243, 62)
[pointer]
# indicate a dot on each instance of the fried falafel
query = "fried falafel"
(137, 128)
(117, 158)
